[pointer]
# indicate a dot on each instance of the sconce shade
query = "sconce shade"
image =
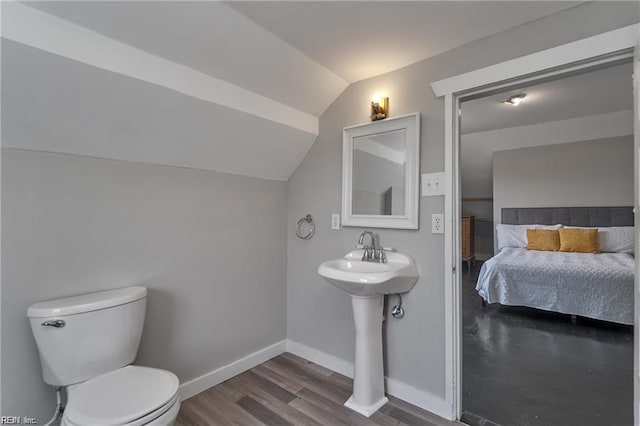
(379, 108)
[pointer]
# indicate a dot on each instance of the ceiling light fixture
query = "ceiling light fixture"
(379, 107)
(515, 99)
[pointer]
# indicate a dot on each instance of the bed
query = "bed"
(598, 286)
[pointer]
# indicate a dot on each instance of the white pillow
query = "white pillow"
(615, 239)
(516, 235)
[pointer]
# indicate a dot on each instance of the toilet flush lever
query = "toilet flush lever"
(54, 323)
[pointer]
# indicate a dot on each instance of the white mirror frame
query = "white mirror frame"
(410, 220)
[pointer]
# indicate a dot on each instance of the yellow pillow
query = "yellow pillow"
(543, 239)
(579, 240)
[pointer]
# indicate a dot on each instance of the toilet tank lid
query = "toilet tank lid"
(86, 302)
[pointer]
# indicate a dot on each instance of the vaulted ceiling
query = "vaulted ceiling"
(598, 92)
(233, 87)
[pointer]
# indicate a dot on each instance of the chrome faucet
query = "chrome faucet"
(368, 250)
(374, 252)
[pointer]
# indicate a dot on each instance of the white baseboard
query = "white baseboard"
(419, 398)
(401, 390)
(219, 375)
(321, 358)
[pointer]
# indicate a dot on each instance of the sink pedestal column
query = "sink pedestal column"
(368, 379)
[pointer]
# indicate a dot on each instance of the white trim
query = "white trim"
(449, 302)
(456, 257)
(219, 375)
(321, 358)
(419, 398)
(591, 47)
(38, 29)
(401, 390)
(451, 255)
(636, 204)
(1, 20)
(540, 62)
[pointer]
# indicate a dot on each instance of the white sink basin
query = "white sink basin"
(359, 278)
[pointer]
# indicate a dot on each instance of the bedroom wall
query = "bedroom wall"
(578, 174)
(477, 150)
(210, 247)
(319, 316)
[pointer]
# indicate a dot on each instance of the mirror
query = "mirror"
(380, 162)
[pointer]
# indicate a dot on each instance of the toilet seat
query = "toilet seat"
(131, 396)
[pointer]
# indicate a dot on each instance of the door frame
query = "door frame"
(571, 57)
(636, 209)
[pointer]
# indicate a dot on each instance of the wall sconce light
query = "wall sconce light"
(515, 99)
(379, 107)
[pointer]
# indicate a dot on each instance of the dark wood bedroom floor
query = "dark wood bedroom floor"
(289, 390)
(528, 367)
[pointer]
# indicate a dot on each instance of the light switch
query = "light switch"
(432, 184)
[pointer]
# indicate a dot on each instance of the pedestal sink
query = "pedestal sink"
(367, 283)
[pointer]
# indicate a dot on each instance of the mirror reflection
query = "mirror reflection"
(379, 162)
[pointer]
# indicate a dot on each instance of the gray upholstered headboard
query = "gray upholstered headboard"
(570, 216)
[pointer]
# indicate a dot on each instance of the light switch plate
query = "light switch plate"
(335, 221)
(432, 184)
(437, 223)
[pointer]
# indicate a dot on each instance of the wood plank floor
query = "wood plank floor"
(289, 390)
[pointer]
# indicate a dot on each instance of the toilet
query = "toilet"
(87, 344)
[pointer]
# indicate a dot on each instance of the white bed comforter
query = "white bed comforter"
(597, 286)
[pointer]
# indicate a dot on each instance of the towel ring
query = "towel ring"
(308, 219)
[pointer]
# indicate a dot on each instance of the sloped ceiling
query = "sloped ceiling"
(593, 93)
(110, 115)
(236, 88)
(359, 40)
(214, 39)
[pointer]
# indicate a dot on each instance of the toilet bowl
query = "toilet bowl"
(131, 396)
(86, 344)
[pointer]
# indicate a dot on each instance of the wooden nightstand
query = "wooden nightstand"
(468, 241)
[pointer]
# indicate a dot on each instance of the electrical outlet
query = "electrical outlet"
(335, 221)
(437, 223)
(432, 184)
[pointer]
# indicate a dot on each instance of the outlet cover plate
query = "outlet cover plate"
(437, 223)
(432, 184)
(335, 221)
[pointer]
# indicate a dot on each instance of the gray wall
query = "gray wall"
(320, 315)
(210, 248)
(577, 174)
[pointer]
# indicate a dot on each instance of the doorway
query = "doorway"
(547, 336)
(601, 48)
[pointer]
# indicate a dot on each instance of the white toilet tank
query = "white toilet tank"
(84, 336)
